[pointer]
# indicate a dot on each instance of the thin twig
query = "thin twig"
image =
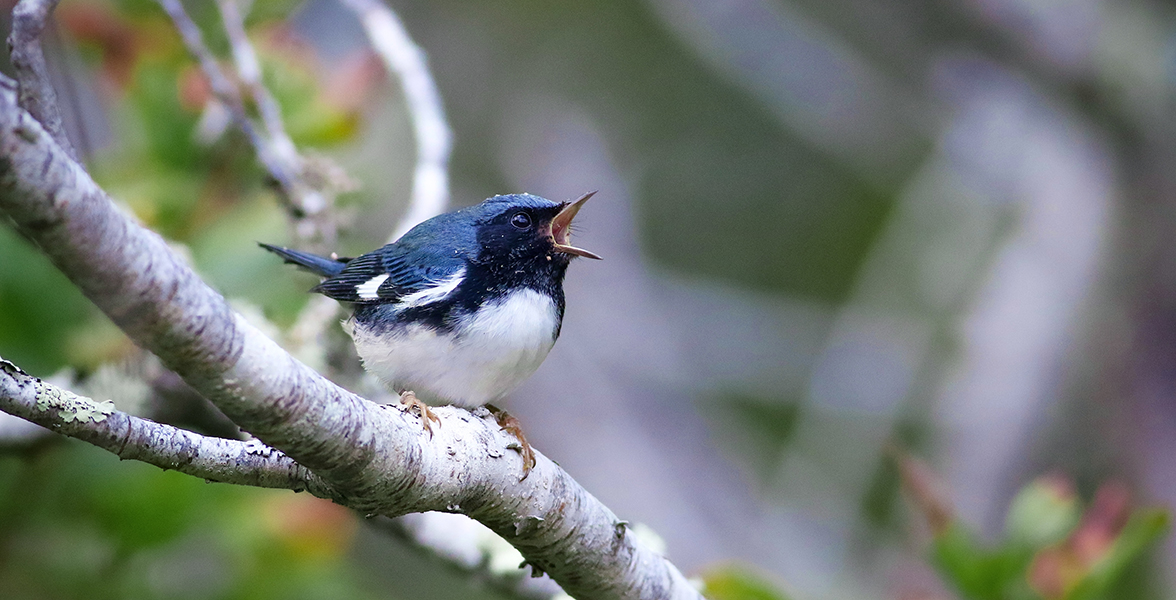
(307, 204)
(214, 459)
(222, 87)
(249, 71)
(310, 201)
(37, 96)
(376, 459)
(430, 183)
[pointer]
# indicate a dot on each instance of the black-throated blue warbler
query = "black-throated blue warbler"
(462, 308)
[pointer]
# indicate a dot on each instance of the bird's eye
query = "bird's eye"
(521, 220)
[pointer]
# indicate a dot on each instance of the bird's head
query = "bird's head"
(522, 227)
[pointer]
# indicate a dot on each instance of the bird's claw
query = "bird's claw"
(512, 426)
(410, 400)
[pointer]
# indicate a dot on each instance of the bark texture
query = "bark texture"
(375, 459)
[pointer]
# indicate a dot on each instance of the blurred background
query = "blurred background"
(835, 232)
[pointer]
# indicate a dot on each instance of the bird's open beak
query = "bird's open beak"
(561, 228)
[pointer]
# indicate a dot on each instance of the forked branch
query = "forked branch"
(372, 458)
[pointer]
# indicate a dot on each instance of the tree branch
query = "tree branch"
(28, 60)
(167, 447)
(430, 182)
(376, 459)
(222, 87)
(312, 201)
(307, 203)
(249, 70)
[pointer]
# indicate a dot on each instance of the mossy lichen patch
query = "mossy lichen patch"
(72, 407)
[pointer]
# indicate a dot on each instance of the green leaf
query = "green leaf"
(1145, 527)
(974, 571)
(309, 120)
(737, 583)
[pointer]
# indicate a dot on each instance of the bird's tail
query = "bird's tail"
(321, 265)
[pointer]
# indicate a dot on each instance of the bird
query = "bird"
(462, 308)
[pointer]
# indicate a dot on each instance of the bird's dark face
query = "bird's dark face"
(524, 231)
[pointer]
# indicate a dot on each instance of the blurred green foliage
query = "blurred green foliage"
(763, 429)
(75, 522)
(1051, 549)
(733, 582)
(212, 197)
(42, 310)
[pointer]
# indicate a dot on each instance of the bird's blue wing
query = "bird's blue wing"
(417, 268)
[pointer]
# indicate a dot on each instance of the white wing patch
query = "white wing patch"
(369, 290)
(435, 293)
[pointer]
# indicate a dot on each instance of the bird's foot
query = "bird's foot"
(512, 426)
(410, 400)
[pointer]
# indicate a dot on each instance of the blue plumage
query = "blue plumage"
(463, 307)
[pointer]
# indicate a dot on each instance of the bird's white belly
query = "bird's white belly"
(483, 359)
